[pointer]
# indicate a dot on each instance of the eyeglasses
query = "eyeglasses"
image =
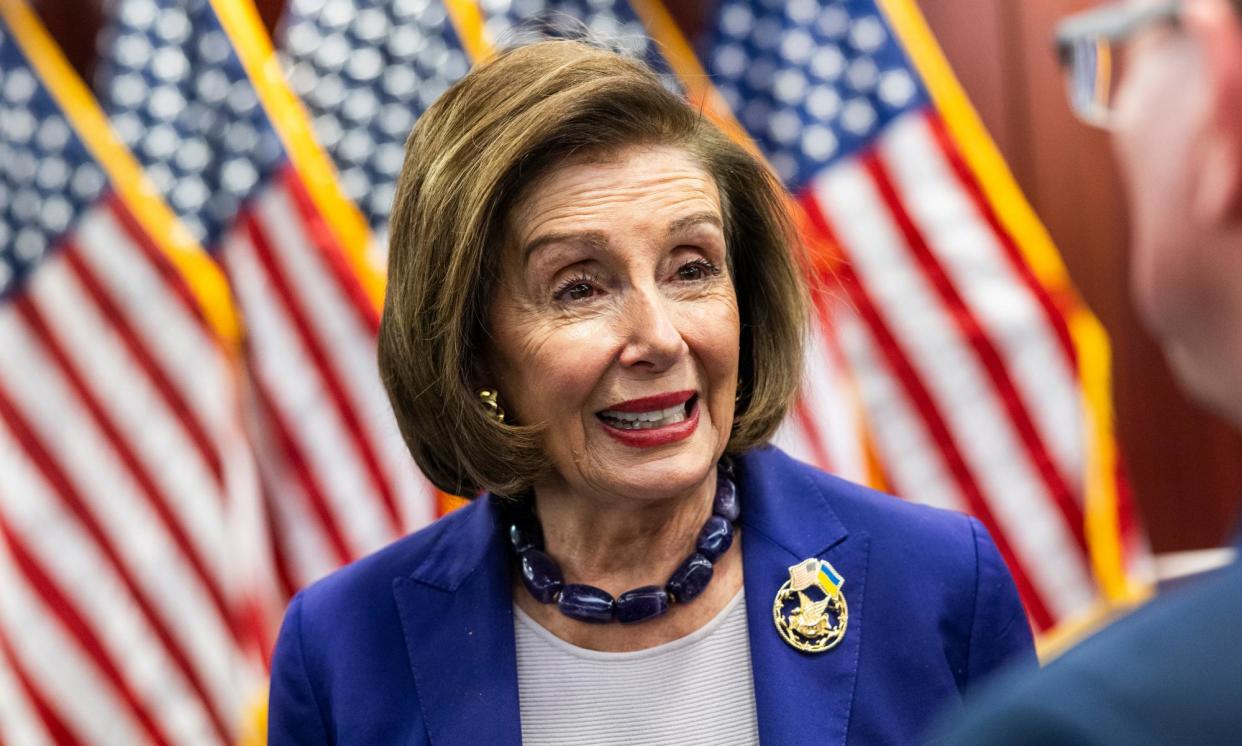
(1091, 48)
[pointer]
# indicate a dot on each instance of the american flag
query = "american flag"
(970, 366)
(194, 89)
(130, 516)
(947, 350)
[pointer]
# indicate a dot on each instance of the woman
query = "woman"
(593, 311)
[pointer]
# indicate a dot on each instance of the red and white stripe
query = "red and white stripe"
(130, 513)
(353, 330)
(20, 721)
(49, 660)
(959, 359)
(341, 481)
(905, 446)
(997, 288)
(201, 386)
(825, 426)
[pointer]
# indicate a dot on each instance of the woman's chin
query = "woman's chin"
(656, 476)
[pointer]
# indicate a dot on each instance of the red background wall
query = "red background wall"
(1185, 465)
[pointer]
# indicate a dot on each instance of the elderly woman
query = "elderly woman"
(594, 313)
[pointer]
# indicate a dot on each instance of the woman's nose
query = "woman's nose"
(652, 338)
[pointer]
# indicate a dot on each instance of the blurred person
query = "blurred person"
(1172, 671)
(595, 312)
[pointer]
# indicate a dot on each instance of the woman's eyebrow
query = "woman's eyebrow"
(597, 240)
(689, 221)
(590, 239)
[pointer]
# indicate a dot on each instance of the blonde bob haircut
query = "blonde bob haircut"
(474, 154)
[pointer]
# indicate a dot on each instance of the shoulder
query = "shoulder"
(917, 532)
(1168, 672)
(932, 553)
(340, 660)
(440, 555)
(352, 614)
(937, 571)
(359, 596)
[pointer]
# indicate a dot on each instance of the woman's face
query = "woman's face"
(616, 324)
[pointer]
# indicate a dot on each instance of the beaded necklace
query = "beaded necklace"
(586, 603)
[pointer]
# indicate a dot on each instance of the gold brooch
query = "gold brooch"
(811, 625)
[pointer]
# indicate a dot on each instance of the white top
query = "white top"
(694, 690)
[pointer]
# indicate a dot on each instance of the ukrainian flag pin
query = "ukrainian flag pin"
(810, 612)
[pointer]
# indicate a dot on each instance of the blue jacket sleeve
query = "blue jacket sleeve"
(1000, 636)
(294, 715)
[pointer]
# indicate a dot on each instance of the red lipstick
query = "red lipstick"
(656, 436)
(651, 403)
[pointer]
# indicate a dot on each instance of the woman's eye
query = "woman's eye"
(696, 270)
(579, 291)
(575, 290)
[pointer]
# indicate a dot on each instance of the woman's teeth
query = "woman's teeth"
(645, 420)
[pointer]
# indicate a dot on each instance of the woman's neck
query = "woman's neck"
(618, 544)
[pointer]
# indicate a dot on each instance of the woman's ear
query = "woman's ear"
(1216, 27)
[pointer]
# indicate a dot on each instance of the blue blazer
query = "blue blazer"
(415, 644)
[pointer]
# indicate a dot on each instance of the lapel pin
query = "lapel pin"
(810, 612)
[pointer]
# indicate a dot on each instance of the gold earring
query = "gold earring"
(491, 403)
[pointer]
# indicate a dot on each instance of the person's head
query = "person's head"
(569, 233)
(1176, 118)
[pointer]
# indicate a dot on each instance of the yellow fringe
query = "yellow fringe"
(467, 20)
(254, 725)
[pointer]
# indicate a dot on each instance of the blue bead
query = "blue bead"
(689, 580)
(641, 604)
(726, 505)
(525, 533)
(541, 576)
(586, 603)
(715, 538)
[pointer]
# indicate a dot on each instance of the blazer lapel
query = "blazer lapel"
(786, 518)
(457, 616)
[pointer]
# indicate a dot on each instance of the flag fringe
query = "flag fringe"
(467, 20)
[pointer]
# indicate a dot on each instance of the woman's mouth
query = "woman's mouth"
(647, 420)
(654, 420)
